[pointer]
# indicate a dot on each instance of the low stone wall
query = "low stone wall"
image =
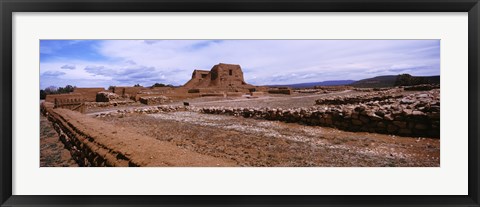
(92, 142)
(154, 100)
(82, 148)
(423, 87)
(92, 105)
(280, 91)
(404, 123)
(334, 88)
(235, 94)
(213, 94)
(257, 93)
(147, 110)
(194, 90)
(309, 90)
(415, 115)
(360, 98)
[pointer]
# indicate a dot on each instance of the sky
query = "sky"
(104, 63)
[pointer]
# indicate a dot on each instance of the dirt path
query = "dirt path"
(253, 142)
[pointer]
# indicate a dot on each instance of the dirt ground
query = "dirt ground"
(52, 150)
(251, 142)
(271, 100)
(295, 100)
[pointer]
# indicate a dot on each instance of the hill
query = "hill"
(312, 84)
(394, 80)
(376, 82)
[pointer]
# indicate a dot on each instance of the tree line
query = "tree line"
(70, 88)
(55, 90)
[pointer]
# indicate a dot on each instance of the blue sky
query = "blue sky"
(102, 63)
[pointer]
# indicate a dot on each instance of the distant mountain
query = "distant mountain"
(312, 84)
(389, 81)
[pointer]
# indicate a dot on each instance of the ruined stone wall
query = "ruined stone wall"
(413, 115)
(69, 101)
(51, 97)
(106, 96)
(157, 90)
(360, 97)
(127, 92)
(91, 105)
(280, 91)
(90, 94)
(92, 142)
(423, 87)
(154, 100)
(197, 77)
(334, 88)
(81, 146)
(406, 123)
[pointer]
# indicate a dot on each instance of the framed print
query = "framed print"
(239, 103)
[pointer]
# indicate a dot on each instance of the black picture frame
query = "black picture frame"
(7, 8)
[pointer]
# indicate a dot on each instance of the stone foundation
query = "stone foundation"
(154, 100)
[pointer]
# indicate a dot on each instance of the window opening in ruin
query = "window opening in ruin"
(204, 75)
(230, 72)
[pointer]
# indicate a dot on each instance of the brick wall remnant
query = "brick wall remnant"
(90, 94)
(106, 96)
(154, 100)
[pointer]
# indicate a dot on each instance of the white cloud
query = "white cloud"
(263, 61)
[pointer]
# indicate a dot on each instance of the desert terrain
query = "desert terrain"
(331, 126)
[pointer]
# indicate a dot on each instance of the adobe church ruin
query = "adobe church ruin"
(221, 76)
(222, 80)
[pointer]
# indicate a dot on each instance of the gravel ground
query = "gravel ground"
(251, 142)
(270, 100)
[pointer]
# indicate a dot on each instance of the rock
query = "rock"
(380, 113)
(407, 112)
(407, 101)
(364, 119)
(356, 122)
(392, 128)
(388, 117)
(418, 113)
(405, 131)
(381, 125)
(423, 95)
(421, 126)
(400, 124)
